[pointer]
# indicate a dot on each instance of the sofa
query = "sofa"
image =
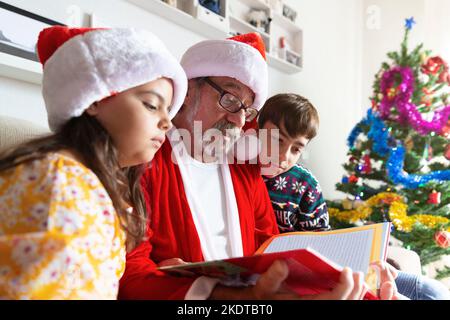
(15, 131)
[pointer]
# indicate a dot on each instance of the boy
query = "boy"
(295, 193)
(292, 122)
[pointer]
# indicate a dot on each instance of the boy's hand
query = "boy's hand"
(388, 288)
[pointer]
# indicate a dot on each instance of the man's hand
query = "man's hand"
(270, 287)
(171, 262)
(176, 262)
(350, 287)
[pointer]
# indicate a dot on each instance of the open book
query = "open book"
(315, 259)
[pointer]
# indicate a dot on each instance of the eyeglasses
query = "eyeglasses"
(231, 103)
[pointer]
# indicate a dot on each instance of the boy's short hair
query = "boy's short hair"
(295, 112)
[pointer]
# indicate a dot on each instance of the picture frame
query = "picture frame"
(289, 13)
(293, 58)
(21, 41)
(212, 5)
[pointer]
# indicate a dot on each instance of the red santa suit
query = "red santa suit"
(178, 227)
(173, 234)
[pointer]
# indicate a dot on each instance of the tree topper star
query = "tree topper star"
(410, 23)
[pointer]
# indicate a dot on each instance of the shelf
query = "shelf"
(20, 69)
(30, 71)
(255, 4)
(285, 23)
(293, 53)
(246, 26)
(188, 22)
(282, 64)
(181, 18)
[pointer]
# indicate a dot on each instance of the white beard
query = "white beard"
(219, 148)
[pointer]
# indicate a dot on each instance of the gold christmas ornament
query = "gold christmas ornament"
(347, 204)
(398, 213)
(409, 143)
(423, 58)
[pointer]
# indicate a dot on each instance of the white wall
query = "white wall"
(437, 27)
(432, 29)
(331, 76)
(330, 79)
(386, 35)
(22, 100)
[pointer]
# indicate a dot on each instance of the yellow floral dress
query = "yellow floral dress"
(60, 237)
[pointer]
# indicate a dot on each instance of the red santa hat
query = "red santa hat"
(82, 66)
(241, 57)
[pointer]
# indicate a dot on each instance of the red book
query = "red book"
(310, 272)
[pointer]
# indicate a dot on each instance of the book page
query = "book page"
(352, 249)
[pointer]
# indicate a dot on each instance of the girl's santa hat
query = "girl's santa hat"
(241, 57)
(84, 65)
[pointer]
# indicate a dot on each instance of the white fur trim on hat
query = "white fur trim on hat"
(228, 58)
(92, 66)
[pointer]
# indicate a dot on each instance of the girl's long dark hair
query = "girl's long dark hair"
(92, 142)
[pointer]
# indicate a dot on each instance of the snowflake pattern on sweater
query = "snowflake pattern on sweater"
(297, 201)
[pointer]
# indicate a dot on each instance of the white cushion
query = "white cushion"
(407, 260)
(15, 131)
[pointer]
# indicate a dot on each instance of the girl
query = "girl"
(65, 199)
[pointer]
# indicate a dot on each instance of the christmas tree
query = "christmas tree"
(398, 168)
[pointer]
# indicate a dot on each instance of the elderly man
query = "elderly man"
(199, 208)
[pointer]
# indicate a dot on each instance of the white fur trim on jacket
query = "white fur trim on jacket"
(92, 66)
(228, 58)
